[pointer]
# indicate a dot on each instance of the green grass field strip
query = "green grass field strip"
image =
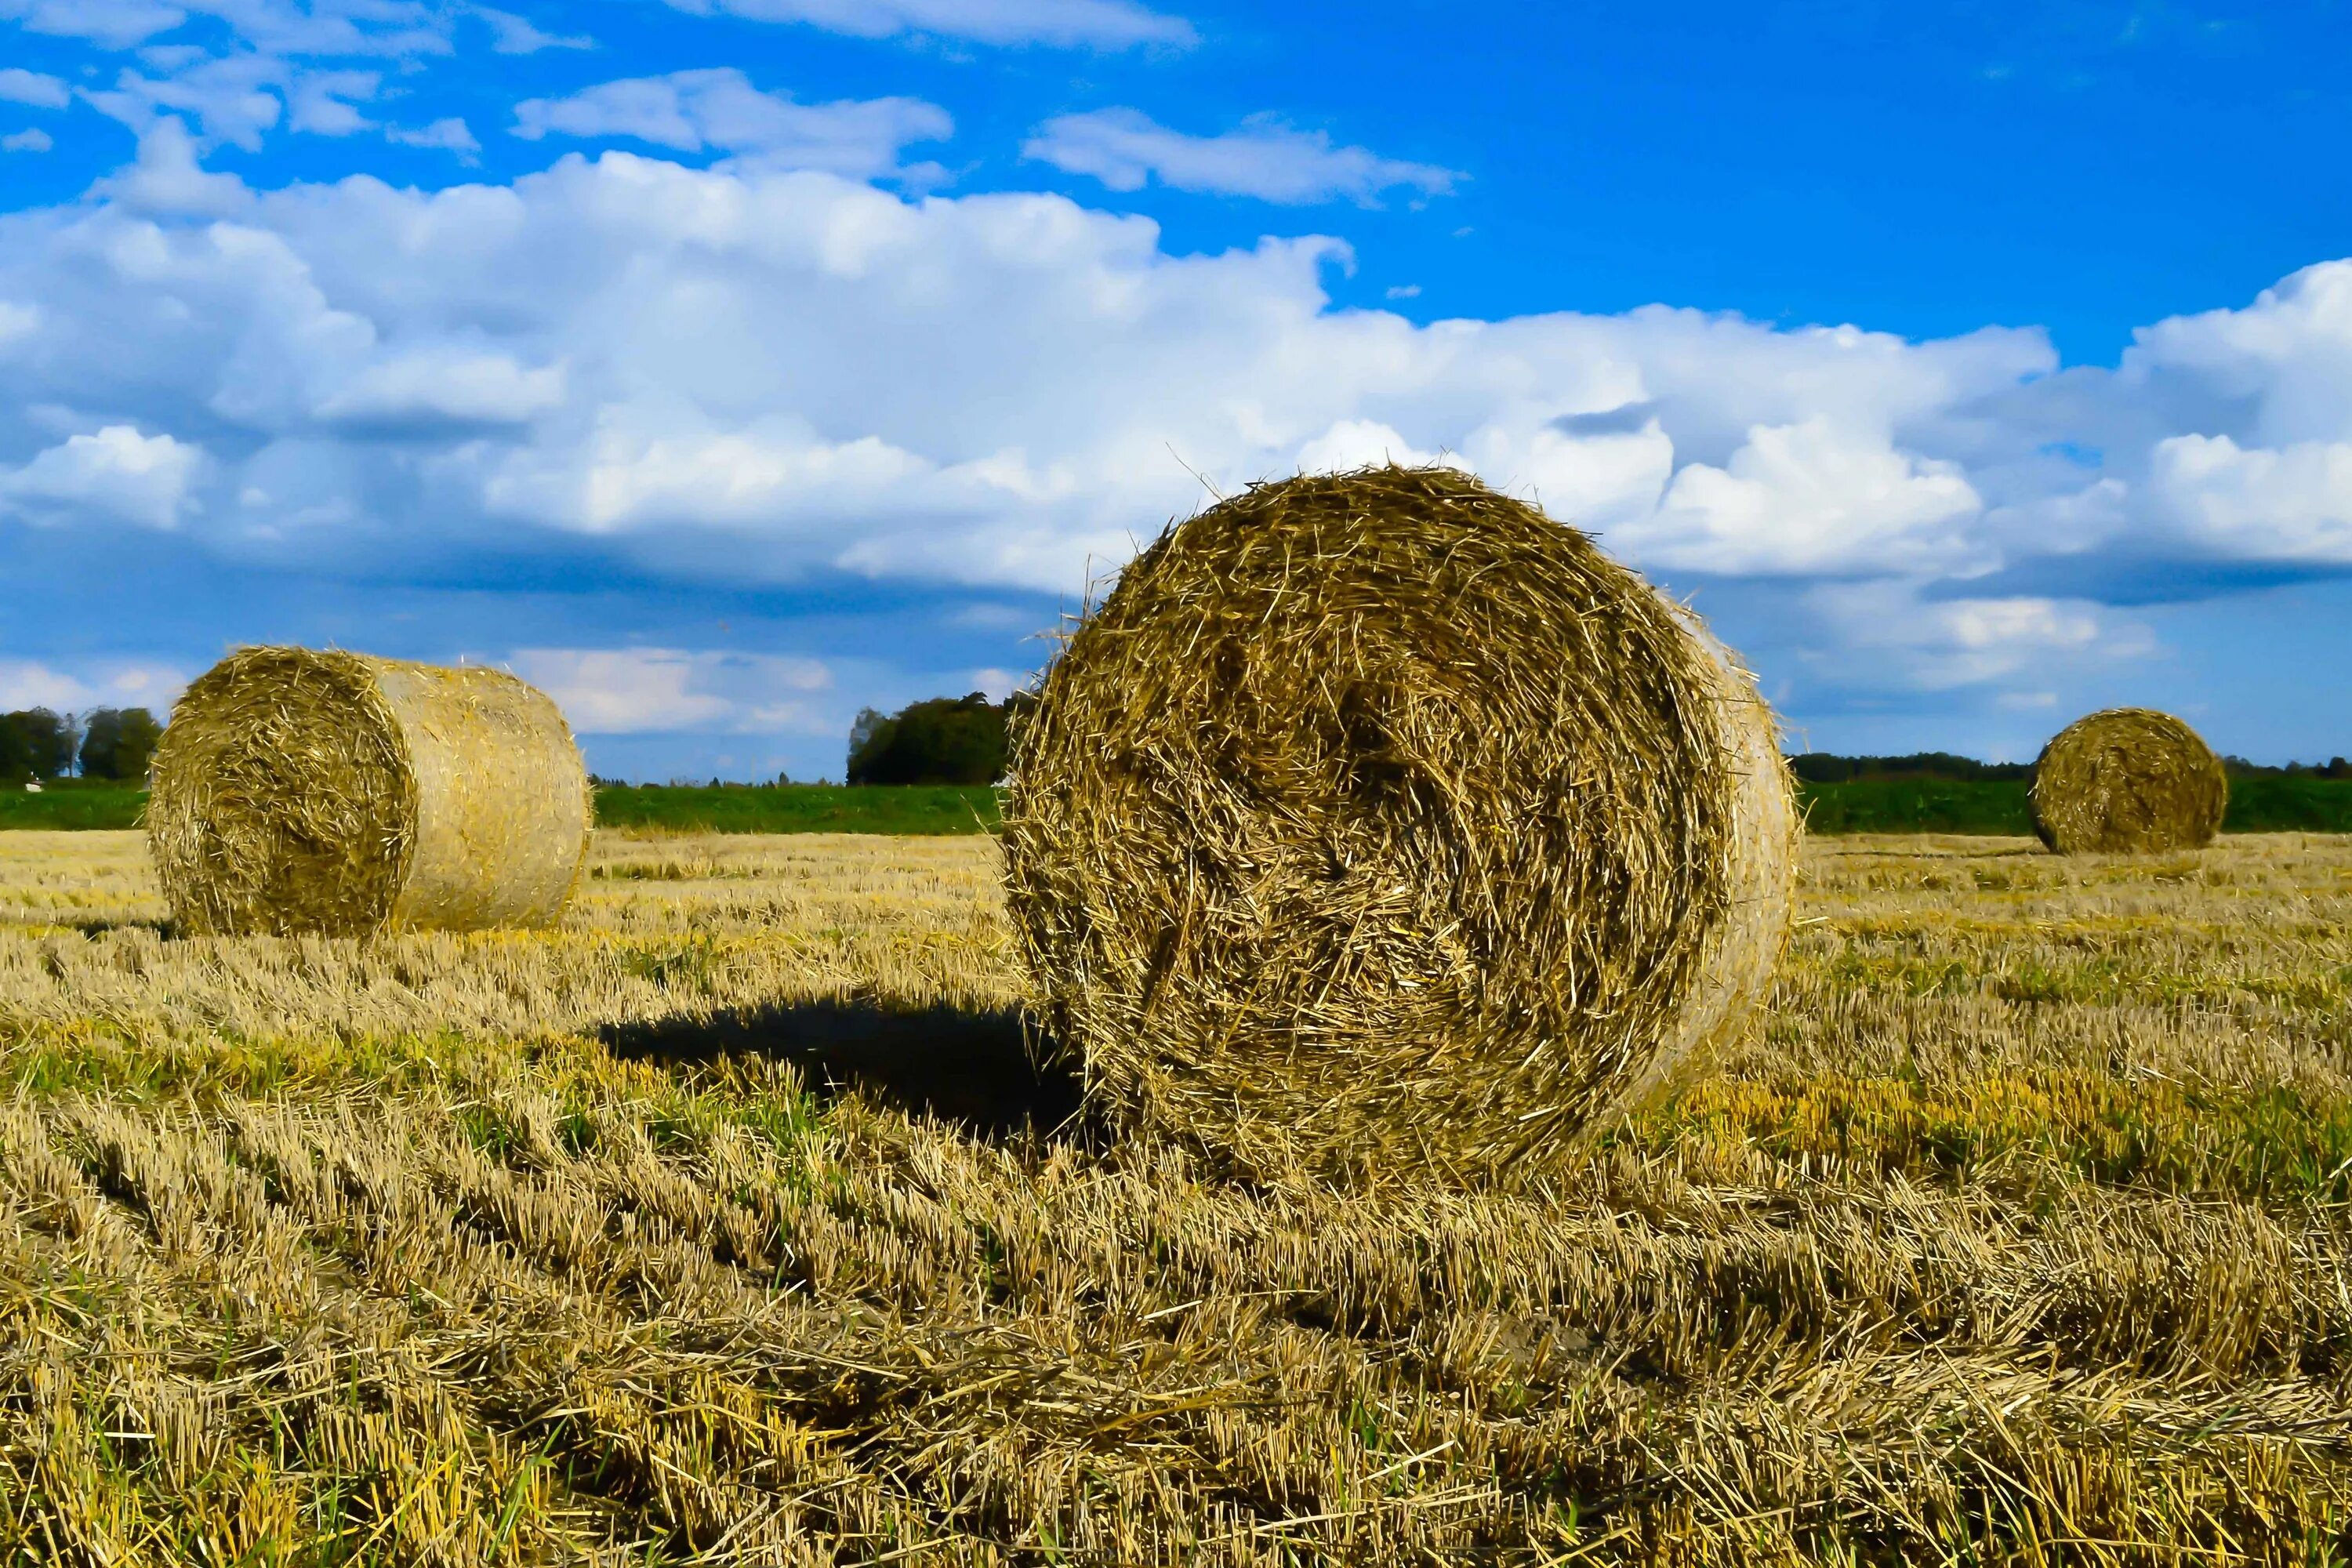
(1857, 805)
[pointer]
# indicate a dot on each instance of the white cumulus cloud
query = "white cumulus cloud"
(20, 86)
(770, 475)
(104, 683)
(748, 376)
(233, 98)
(1355, 443)
(1887, 635)
(389, 29)
(1813, 497)
(2271, 373)
(998, 388)
(167, 180)
(2288, 503)
(29, 683)
(326, 104)
(720, 110)
(117, 472)
(514, 35)
(620, 691)
(1095, 24)
(1264, 158)
(1599, 472)
(112, 23)
(449, 134)
(456, 385)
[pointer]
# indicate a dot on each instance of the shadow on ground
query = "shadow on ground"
(95, 926)
(966, 1066)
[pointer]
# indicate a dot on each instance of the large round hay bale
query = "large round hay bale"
(296, 791)
(1378, 822)
(2128, 781)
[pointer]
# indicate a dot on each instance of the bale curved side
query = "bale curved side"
(2128, 781)
(503, 803)
(329, 792)
(1746, 947)
(1377, 820)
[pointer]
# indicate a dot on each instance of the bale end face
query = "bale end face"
(2128, 781)
(1376, 822)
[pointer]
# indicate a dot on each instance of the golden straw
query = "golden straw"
(1377, 822)
(298, 791)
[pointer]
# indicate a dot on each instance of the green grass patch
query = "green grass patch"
(2289, 806)
(799, 808)
(1916, 805)
(1926, 805)
(679, 808)
(1912, 804)
(72, 802)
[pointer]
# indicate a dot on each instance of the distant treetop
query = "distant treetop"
(117, 743)
(942, 741)
(1822, 767)
(36, 743)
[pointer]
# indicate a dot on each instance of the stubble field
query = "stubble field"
(728, 1223)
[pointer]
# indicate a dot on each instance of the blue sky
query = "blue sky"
(728, 365)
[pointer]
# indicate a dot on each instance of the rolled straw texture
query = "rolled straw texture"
(1376, 823)
(2128, 781)
(300, 791)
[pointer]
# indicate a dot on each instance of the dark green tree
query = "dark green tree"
(1822, 767)
(117, 743)
(864, 735)
(35, 743)
(942, 741)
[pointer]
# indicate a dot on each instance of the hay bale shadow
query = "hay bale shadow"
(971, 1067)
(92, 927)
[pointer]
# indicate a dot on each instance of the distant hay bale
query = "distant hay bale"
(2127, 780)
(296, 791)
(1375, 821)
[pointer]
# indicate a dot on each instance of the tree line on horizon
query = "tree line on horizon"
(966, 741)
(41, 743)
(961, 741)
(938, 740)
(1827, 767)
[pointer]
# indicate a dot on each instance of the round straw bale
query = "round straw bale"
(296, 791)
(2130, 780)
(1375, 821)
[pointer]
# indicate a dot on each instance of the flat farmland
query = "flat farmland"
(730, 1223)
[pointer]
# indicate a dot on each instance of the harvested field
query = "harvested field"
(2021, 1232)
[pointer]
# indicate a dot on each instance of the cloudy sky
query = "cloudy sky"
(728, 365)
